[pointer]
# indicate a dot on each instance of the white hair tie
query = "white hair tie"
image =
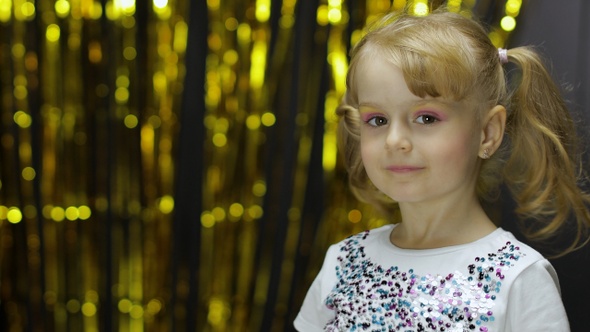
(503, 53)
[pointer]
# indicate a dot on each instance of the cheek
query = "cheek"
(367, 150)
(457, 151)
(365, 156)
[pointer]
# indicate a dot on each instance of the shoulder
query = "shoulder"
(357, 244)
(529, 266)
(522, 283)
(535, 292)
(367, 236)
(314, 313)
(501, 254)
(355, 249)
(520, 255)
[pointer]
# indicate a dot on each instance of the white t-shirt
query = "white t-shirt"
(496, 283)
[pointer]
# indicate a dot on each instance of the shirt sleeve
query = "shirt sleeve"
(314, 314)
(534, 302)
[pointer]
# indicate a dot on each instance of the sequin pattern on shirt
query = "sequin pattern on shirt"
(369, 297)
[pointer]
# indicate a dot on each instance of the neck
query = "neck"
(440, 224)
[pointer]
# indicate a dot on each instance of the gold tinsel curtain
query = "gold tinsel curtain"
(171, 164)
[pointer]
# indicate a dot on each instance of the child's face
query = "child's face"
(414, 149)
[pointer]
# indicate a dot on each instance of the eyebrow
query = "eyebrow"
(369, 105)
(419, 102)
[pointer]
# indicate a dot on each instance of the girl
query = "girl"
(422, 130)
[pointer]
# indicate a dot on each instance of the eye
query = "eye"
(426, 119)
(376, 121)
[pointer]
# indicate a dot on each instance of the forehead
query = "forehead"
(381, 85)
(375, 72)
(393, 75)
(374, 75)
(379, 81)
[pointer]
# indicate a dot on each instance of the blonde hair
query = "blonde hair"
(446, 54)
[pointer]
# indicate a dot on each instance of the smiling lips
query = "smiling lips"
(403, 168)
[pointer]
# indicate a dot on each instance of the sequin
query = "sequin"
(370, 297)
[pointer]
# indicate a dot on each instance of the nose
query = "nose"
(398, 138)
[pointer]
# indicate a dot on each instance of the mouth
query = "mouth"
(403, 168)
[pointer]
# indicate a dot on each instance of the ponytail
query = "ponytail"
(543, 168)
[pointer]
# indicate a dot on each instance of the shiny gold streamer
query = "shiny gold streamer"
(75, 80)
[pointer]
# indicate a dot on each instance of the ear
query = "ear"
(492, 131)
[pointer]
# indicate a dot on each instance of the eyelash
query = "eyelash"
(372, 121)
(424, 116)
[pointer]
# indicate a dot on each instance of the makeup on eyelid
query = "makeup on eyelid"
(439, 116)
(366, 116)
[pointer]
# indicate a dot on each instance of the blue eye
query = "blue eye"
(426, 119)
(377, 121)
